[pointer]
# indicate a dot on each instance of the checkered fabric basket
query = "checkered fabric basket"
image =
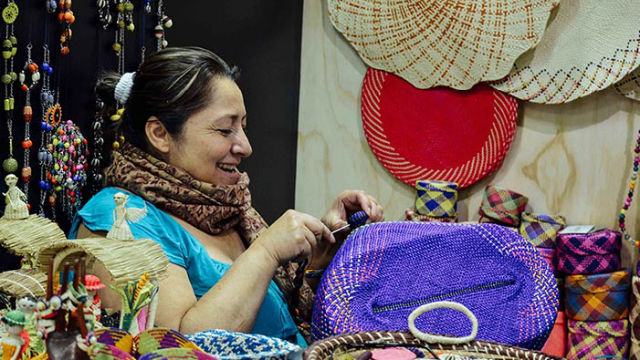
(385, 270)
(540, 229)
(634, 318)
(437, 198)
(549, 254)
(502, 206)
(590, 340)
(594, 253)
(354, 345)
(599, 297)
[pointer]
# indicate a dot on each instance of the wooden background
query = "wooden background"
(572, 159)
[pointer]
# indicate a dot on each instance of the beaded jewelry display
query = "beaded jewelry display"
(164, 22)
(66, 18)
(68, 175)
(632, 186)
(9, 49)
(124, 21)
(45, 157)
(98, 143)
(104, 15)
(29, 78)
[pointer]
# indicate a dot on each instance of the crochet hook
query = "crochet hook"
(356, 220)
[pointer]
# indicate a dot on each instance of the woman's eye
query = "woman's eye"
(225, 131)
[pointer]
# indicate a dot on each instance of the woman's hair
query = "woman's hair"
(172, 84)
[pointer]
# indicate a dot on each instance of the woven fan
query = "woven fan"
(437, 134)
(590, 45)
(442, 42)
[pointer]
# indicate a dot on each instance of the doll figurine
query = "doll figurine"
(36, 346)
(13, 343)
(120, 229)
(15, 199)
(93, 284)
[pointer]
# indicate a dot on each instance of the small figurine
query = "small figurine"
(120, 229)
(36, 346)
(93, 284)
(16, 206)
(13, 344)
(47, 312)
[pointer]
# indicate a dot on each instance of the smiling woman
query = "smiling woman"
(185, 125)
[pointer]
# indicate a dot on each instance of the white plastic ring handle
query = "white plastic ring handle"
(440, 339)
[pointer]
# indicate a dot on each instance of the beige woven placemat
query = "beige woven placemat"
(588, 46)
(441, 42)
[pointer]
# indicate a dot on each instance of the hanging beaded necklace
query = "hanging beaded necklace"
(66, 18)
(164, 22)
(632, 186)
(29, 78)
(9, 49)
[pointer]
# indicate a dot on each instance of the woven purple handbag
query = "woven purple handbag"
(590, 340)
(386, 270)
(594, 253)
(599, 297)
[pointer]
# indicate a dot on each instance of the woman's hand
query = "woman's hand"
(345, 205)
(293, 236)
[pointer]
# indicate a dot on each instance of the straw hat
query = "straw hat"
(590, 45)
(437, 134)
(441, 42)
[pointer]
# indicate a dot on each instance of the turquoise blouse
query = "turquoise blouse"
(186, 251)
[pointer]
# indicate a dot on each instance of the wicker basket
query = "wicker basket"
(432, 346)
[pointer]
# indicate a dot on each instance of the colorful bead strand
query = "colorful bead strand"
(632, 186)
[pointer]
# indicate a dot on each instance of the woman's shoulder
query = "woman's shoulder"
(98, 215)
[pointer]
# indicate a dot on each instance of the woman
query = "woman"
(184, 126)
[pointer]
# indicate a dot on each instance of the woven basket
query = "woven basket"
(356, 344)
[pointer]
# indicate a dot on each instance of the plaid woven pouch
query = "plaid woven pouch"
(549, 254)
(594, 253)
(541, 230)
(502, 206)
(437, 198)
(590, 340)
(412, 215)
(600, 297)
(634, 317)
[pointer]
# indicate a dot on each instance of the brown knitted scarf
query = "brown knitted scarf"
(211, 208)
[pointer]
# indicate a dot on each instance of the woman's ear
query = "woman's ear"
(157, 135)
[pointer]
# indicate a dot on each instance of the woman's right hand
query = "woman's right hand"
(293, 236)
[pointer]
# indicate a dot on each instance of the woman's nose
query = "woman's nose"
(242, 146)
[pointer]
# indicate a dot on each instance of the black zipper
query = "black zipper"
(496, 285)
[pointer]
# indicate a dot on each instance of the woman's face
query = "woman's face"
(213, 141)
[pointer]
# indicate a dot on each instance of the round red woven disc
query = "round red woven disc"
(439, 133)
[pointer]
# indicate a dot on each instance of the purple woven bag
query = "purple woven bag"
(386, 270)
(594, 253)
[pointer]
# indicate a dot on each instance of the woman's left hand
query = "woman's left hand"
(345, 205)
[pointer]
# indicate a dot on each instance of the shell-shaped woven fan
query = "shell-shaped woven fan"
(588, 46)
(177, 354)
(161, 338)
(442, 42)
(118, 338)
(108, 352)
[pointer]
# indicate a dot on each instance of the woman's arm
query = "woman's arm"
(233, 303)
